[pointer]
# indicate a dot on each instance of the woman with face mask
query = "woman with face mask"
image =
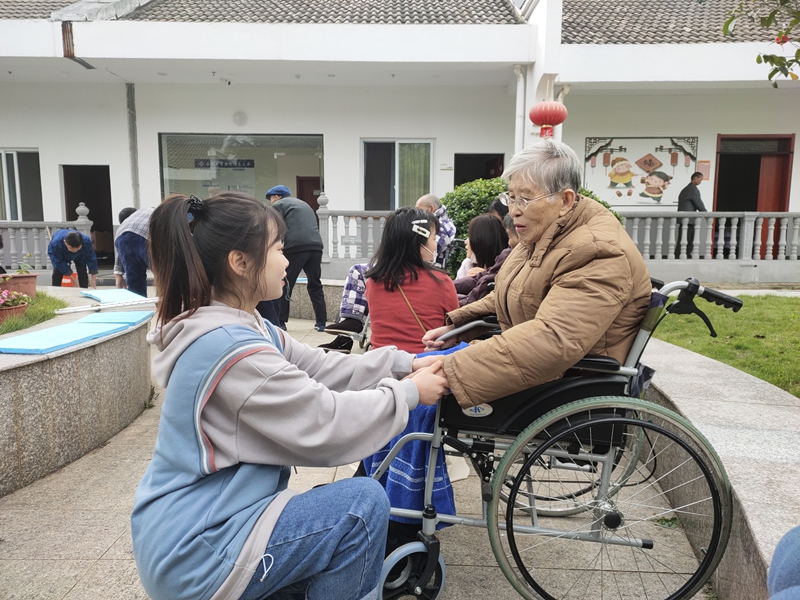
(406, 292)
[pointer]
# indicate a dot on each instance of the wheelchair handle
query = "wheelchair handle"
(708, 294)
(459, 330)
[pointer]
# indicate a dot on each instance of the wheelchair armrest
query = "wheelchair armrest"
(596, 362)
(487, 321)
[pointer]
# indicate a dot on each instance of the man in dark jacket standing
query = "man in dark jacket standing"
(689, 200)
(302, 247)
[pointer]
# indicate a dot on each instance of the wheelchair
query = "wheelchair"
(587, 490)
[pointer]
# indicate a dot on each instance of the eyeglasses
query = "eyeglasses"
(521, 202)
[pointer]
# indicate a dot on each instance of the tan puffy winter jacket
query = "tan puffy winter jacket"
(583, 289)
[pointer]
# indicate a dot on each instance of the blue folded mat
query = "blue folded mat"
(56, 338)
(127, 317)
(104, 296)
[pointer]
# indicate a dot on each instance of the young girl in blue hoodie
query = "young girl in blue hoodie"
(213, 516)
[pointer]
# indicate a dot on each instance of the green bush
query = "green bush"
(471, 199)
(466, 202)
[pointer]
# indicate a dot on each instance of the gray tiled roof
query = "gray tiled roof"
(405, 12)
(654, 22)
(30, 9)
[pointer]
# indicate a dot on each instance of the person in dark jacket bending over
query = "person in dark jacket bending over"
(302, 247)
(68, 246)
(689, 200)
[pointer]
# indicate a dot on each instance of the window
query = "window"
(20, 186)
(396, 173)
(205, 164)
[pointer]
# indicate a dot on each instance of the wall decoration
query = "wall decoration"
(639, 172)
(704, 167)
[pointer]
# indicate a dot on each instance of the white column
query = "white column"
(519, 129)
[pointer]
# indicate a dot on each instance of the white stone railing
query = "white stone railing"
(349, 235)
(21, 238)
(745, 236)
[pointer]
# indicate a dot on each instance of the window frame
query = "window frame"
(397, 141)
(4, 152)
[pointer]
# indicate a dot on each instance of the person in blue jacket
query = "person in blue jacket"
(68, 246)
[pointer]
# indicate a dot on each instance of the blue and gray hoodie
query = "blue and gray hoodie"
(243, 401)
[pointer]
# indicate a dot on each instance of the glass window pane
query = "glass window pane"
(205, 164)
(2, 192)
(11, 176)
(30, 186)
(414, 171)
(378, 175)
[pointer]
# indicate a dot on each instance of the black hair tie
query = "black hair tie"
(195, 206)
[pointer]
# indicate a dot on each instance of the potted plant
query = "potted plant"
(12, 304)
(22, 281)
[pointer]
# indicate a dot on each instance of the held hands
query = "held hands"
(429, 339)
(431, 383)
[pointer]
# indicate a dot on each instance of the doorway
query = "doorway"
(91, 184)
(308, 189)
(469, 167)
(754, 174)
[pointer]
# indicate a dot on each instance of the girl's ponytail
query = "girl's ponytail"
(180, 277)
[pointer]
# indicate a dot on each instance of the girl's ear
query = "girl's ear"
(237, 261)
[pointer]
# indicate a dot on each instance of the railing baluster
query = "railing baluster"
(335, 236)
(770, 238)
(684, 237)
(757, 238)
(635, 231)
(659, 236)
(370, 236)
(721, 238)
(671, 242)
(359, 239)
(346, 222)
(782, 239)
(795, 239)
(709, 235)
(12, 246)
(23, 234)
(646, 244)
(37, 249)
(732, 251)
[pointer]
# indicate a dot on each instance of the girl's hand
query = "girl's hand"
(475, 271)
(431, 383)
(429, 339)
(425, 361)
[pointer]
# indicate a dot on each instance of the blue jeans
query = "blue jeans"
(328, 544)
(132, 250)
(783, 580)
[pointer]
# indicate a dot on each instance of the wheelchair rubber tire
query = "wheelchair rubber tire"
(676, 457)
(411, 554)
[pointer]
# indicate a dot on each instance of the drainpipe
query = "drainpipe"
(133, 142)
(519, 129)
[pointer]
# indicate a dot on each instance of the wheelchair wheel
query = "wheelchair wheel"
(657, 530)
(559, 484)
(402, 567)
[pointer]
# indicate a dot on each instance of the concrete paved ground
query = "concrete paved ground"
(67, 536)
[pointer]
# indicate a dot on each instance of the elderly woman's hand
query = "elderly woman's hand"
(429, 339)
(475, 271)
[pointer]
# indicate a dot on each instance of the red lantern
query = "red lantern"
(547, 115)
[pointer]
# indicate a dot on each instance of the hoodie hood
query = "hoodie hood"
(173, 338)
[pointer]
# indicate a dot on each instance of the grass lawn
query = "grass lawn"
(39, 310)
(762, 339)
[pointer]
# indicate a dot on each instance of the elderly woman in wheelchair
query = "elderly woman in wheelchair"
(588, 491)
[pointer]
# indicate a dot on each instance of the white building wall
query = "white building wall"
(69, 124)
(702, 114)
(458, 119)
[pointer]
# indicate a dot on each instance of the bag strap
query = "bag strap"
(411, 308)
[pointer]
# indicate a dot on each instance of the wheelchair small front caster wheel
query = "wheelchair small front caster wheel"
(401, 572)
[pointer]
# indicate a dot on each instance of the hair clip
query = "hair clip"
(416, 228)
(195, 205)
